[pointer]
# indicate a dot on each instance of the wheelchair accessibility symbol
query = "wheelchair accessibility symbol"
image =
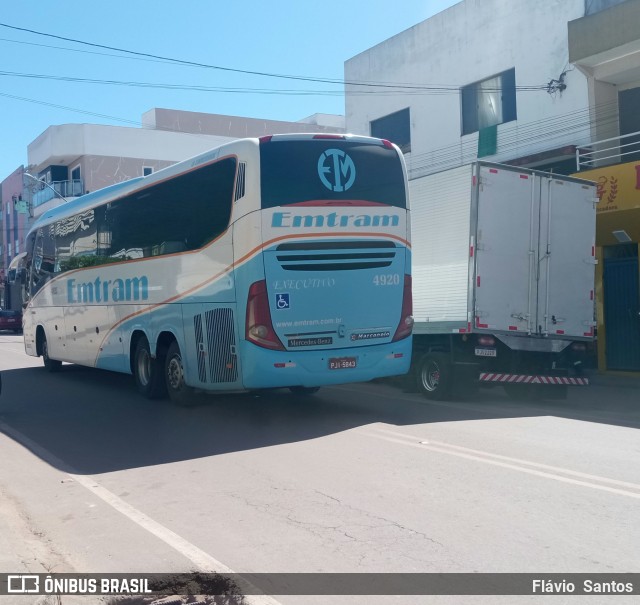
(282, 301)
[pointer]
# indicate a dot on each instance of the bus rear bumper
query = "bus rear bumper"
(262, 368)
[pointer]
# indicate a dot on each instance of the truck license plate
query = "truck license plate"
(342, 363)
(486, 352)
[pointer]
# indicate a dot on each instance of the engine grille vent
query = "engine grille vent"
(335, 256)
(215, 341)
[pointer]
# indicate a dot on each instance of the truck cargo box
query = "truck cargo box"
(507, 252)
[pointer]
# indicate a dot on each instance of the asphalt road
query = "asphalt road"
(358, 478)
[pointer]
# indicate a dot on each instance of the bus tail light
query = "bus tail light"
(259, 329)
(406, 318)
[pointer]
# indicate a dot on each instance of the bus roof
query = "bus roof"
(118, 190)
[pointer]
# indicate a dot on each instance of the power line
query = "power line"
(200, 88)
(78, 50)
(182, 87)
(73, 109)
(395, 86)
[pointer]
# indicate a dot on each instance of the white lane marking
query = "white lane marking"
(202, 560)
(507, 462)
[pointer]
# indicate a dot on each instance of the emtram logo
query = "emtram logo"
(336, 170)
(107, 290)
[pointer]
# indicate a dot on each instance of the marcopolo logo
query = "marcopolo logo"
(336, 170)
(108, 290)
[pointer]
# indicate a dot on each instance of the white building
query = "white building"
(77, 158)
(484, 63)
(550, 84)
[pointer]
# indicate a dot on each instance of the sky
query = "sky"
(280, 37)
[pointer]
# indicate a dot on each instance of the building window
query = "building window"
(147, 170)
(489, 102)
(395, 127)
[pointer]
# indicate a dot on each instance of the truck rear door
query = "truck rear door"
(505, 248)
(535, 253)
(567, 258)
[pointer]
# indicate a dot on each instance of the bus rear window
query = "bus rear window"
(295, 172)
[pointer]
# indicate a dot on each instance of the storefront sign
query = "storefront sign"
(618, 186)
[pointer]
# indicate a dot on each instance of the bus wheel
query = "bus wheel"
(148, 378)
(434, 376)
(304, 390)
(51, 365)
(179, 392)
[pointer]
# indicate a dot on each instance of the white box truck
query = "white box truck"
(503, 279)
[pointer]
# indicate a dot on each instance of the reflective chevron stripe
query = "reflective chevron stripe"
(532, 379)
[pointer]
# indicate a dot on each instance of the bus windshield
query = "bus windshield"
(308, 171)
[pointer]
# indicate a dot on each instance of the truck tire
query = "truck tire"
(434, 376)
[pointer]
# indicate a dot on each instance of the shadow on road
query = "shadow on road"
(90, 421)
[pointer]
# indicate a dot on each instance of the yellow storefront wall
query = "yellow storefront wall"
(618, 189)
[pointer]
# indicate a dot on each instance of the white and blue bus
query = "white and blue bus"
(275, 262)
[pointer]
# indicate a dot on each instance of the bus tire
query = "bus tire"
(434, 376)
(179, 392)
(51, 365)
(147, 371)
(304, 391)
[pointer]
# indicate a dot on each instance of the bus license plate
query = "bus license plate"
(486, 352)
(342, 363)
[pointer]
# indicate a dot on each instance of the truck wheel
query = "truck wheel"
(51, 365)
(147, 371)
(434, 375)
(179, 392)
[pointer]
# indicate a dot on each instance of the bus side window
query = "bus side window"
(42, 266)
(182, 214)
(28, 261)
(208, 202)
(75, 242)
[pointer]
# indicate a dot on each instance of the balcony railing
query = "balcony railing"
(64, 189)
(616, 150)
